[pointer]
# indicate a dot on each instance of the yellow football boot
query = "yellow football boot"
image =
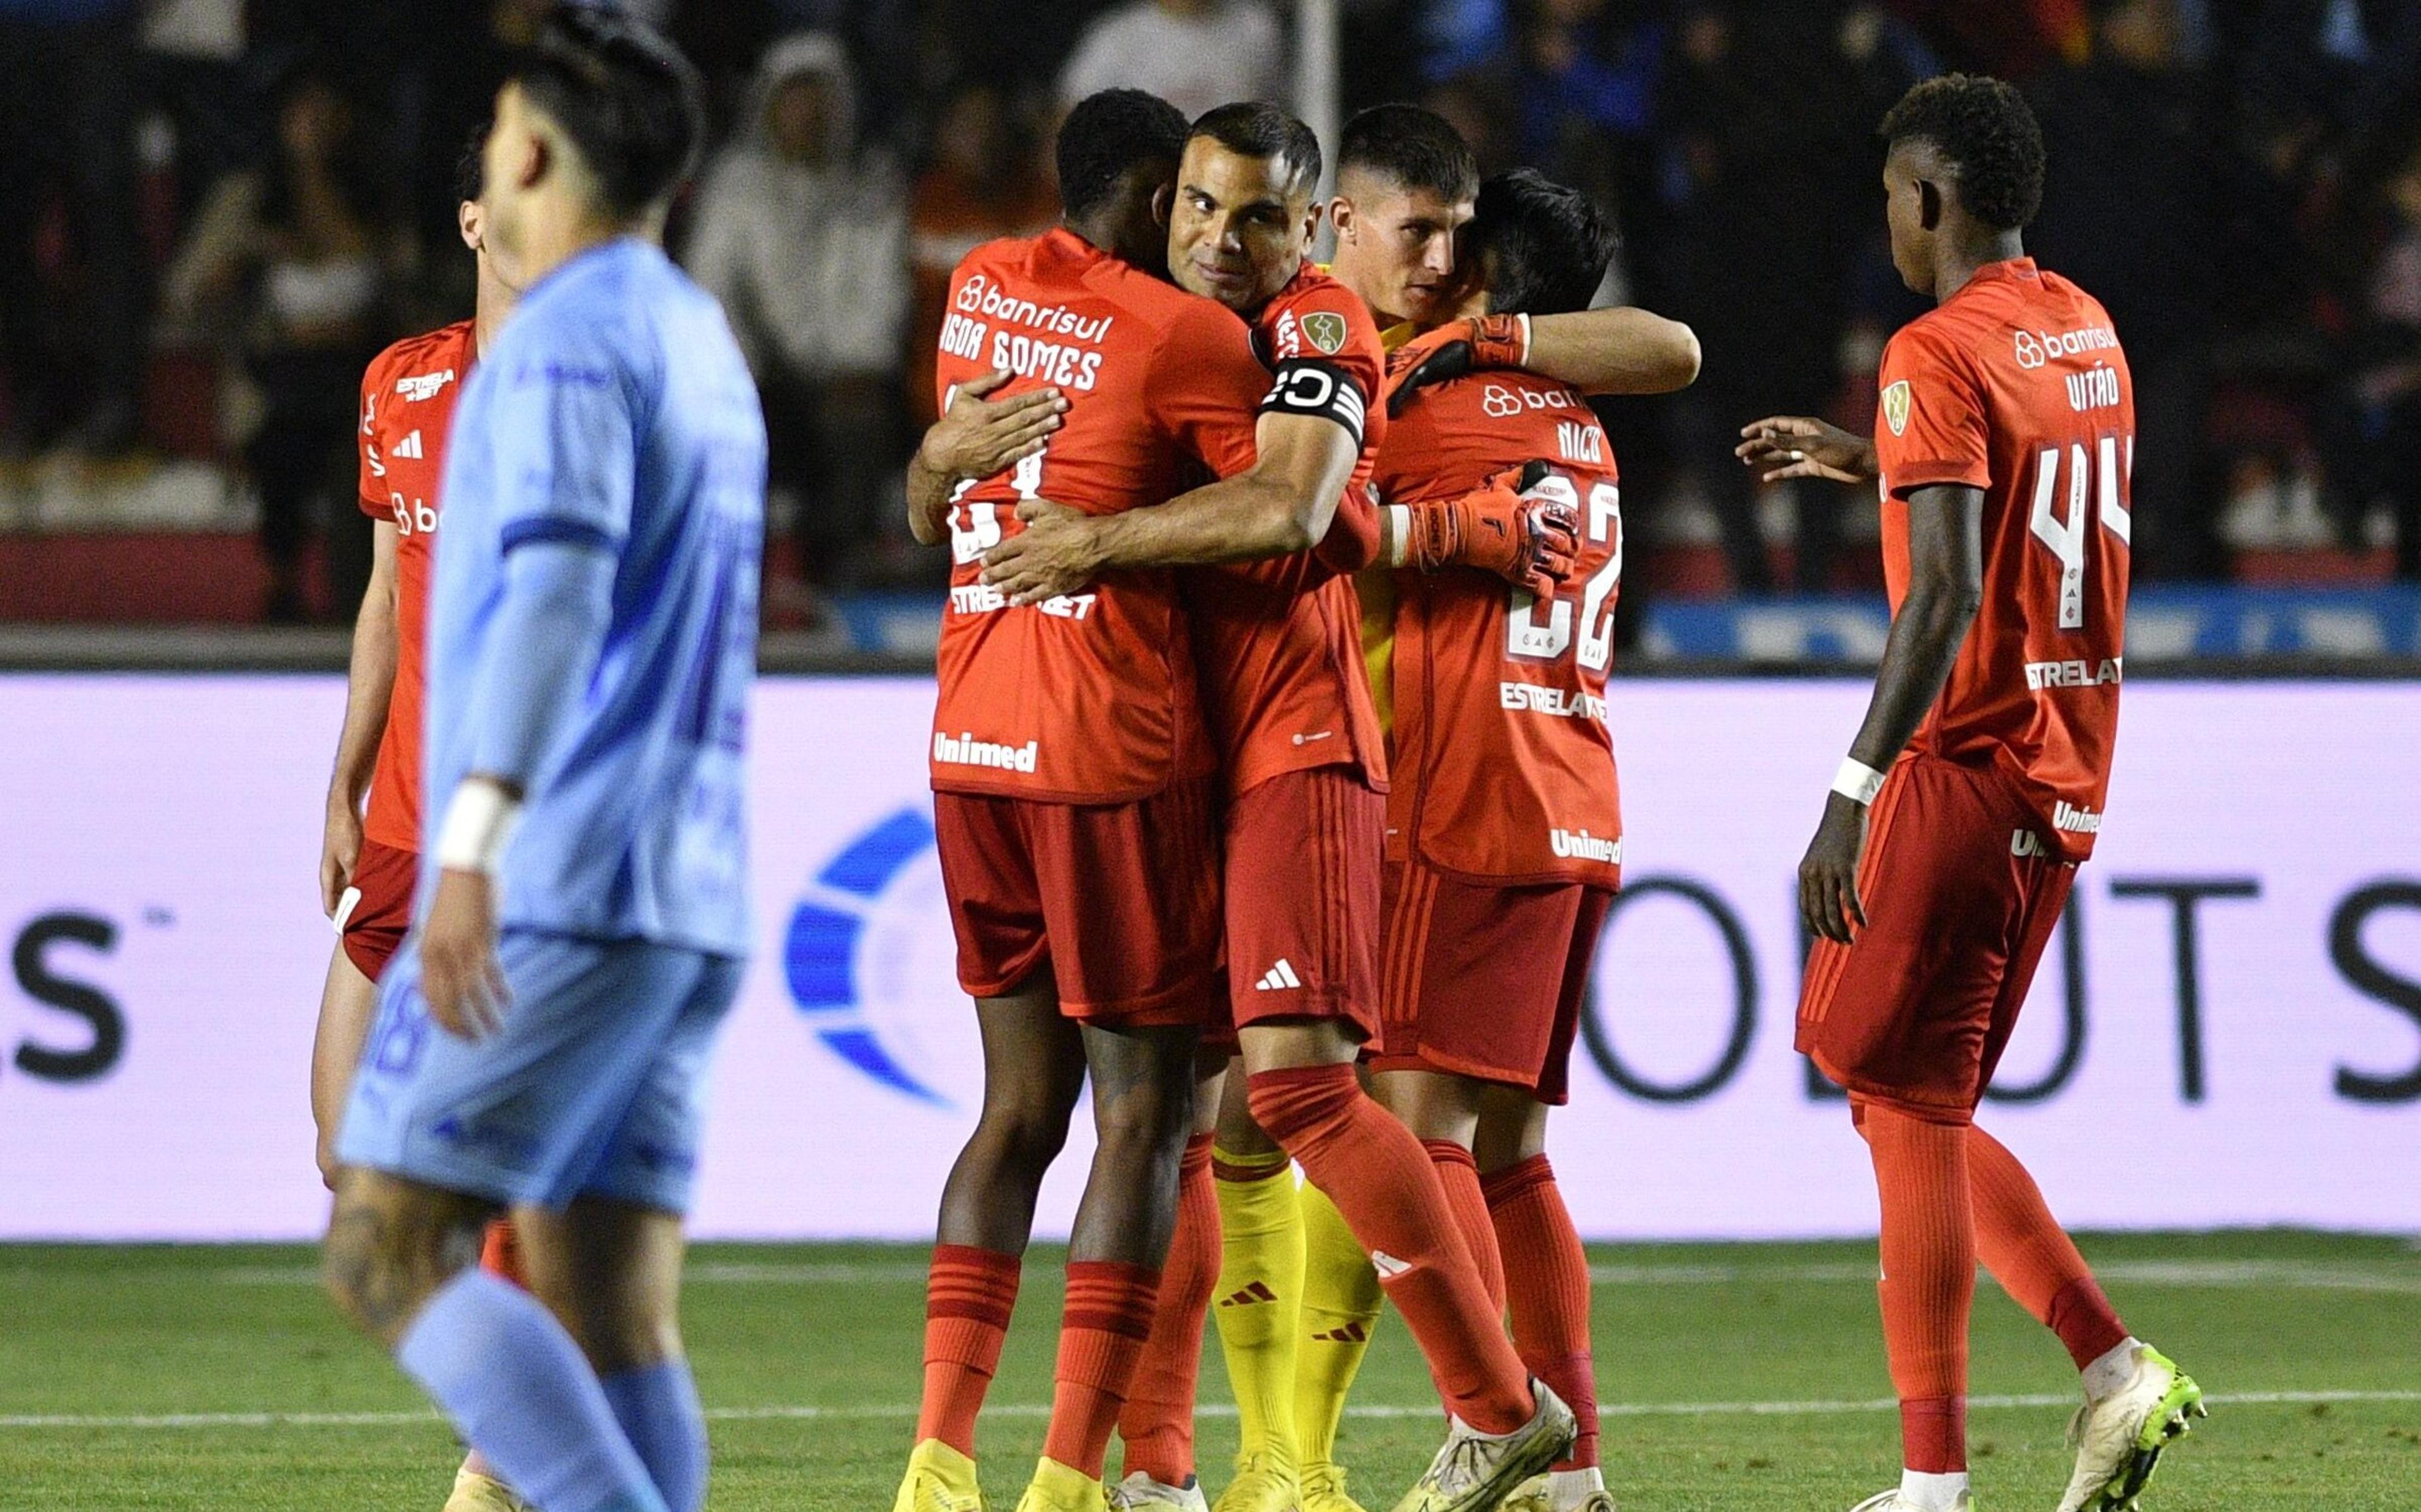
(1058, 1487)
(475, 1492)
(939, 1479)
(1324, 1489)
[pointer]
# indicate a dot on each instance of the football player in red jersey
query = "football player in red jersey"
(1503, 826)
(368, 862)
(1290, 707)
(1074, 798)
(2003, 447)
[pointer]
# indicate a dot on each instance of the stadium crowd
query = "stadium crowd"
(214, 211)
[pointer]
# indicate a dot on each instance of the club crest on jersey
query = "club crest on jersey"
(1895, 402)
(1325, 330)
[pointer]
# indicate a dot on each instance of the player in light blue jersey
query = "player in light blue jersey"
(582, 905)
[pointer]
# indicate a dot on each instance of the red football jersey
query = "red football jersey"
(1504, 765)
(1280, 640)
(408, 395)
(2017, 385)
(1090, 697)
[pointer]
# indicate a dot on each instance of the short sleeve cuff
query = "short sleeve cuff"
(1906, 477)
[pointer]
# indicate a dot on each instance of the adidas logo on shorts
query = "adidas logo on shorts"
(1277, 978)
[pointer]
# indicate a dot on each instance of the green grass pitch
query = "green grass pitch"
(1736, 1377)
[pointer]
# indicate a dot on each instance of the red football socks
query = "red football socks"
(969, 1294)
(1546, 1277)
(2032, 1257)
(1459, 1174)
(1928, 1279)
(1380, 1180)
(1157, 1422)
(1100, 1338)
(500, 1253)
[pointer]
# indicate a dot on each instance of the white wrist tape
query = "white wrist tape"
(1524, 320)
(1857, 782)
(1397, 536)
(479, 825)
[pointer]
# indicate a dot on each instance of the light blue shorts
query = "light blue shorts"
(594, 1086)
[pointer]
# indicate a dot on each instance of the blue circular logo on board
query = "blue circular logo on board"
(868, 959)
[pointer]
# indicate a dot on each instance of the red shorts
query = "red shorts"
(1918, 1010)
(1120, 900)
(376, 906)
(1304, 856)
(1487, 981)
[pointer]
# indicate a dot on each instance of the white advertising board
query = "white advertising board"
(2227, 1032)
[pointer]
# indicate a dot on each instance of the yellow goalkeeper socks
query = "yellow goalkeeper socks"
(1258, 1303)
(1340, 1307)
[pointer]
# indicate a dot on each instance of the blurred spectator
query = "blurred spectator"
(1193, 54)
(804, 236)
(290, 257)
(67, 134)
(983, 183)
(2385, 460)
(193, 63)
(2136, 159)
(1770, 168)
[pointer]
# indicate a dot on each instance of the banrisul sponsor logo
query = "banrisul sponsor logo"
(1578, 845)
(965, 750)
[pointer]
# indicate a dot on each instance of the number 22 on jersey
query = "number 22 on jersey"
(1529, 638)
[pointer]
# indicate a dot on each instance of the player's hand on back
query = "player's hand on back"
(1829, 903)
(979, 436)
(1058, 552)
(460, 975)
(1481, 341)
(340, 851)
(1797, 445)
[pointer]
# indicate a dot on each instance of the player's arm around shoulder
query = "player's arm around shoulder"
(975, 437)
(1619, 349)
(1283, 469)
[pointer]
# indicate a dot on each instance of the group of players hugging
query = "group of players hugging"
(1273, 789)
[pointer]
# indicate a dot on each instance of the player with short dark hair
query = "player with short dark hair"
(1257, 129)
(583, 917)
(369, 855)
(1074, 782)
(2004, 447)
(1405, 181)
(1505, 830)
(1543, 248)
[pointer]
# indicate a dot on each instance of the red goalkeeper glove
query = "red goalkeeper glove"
(1531, 543)
(1481, 341)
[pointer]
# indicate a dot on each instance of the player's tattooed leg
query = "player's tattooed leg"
(391, 1244)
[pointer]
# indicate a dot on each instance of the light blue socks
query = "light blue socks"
(521, 1393)
(659, 1411)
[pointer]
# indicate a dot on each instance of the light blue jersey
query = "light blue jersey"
(592, 638)
(614, 416)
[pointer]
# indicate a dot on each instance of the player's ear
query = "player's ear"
(1311, 223)
(1928, 203)
(1163, 200)
(1340, 215)
(472, 222)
